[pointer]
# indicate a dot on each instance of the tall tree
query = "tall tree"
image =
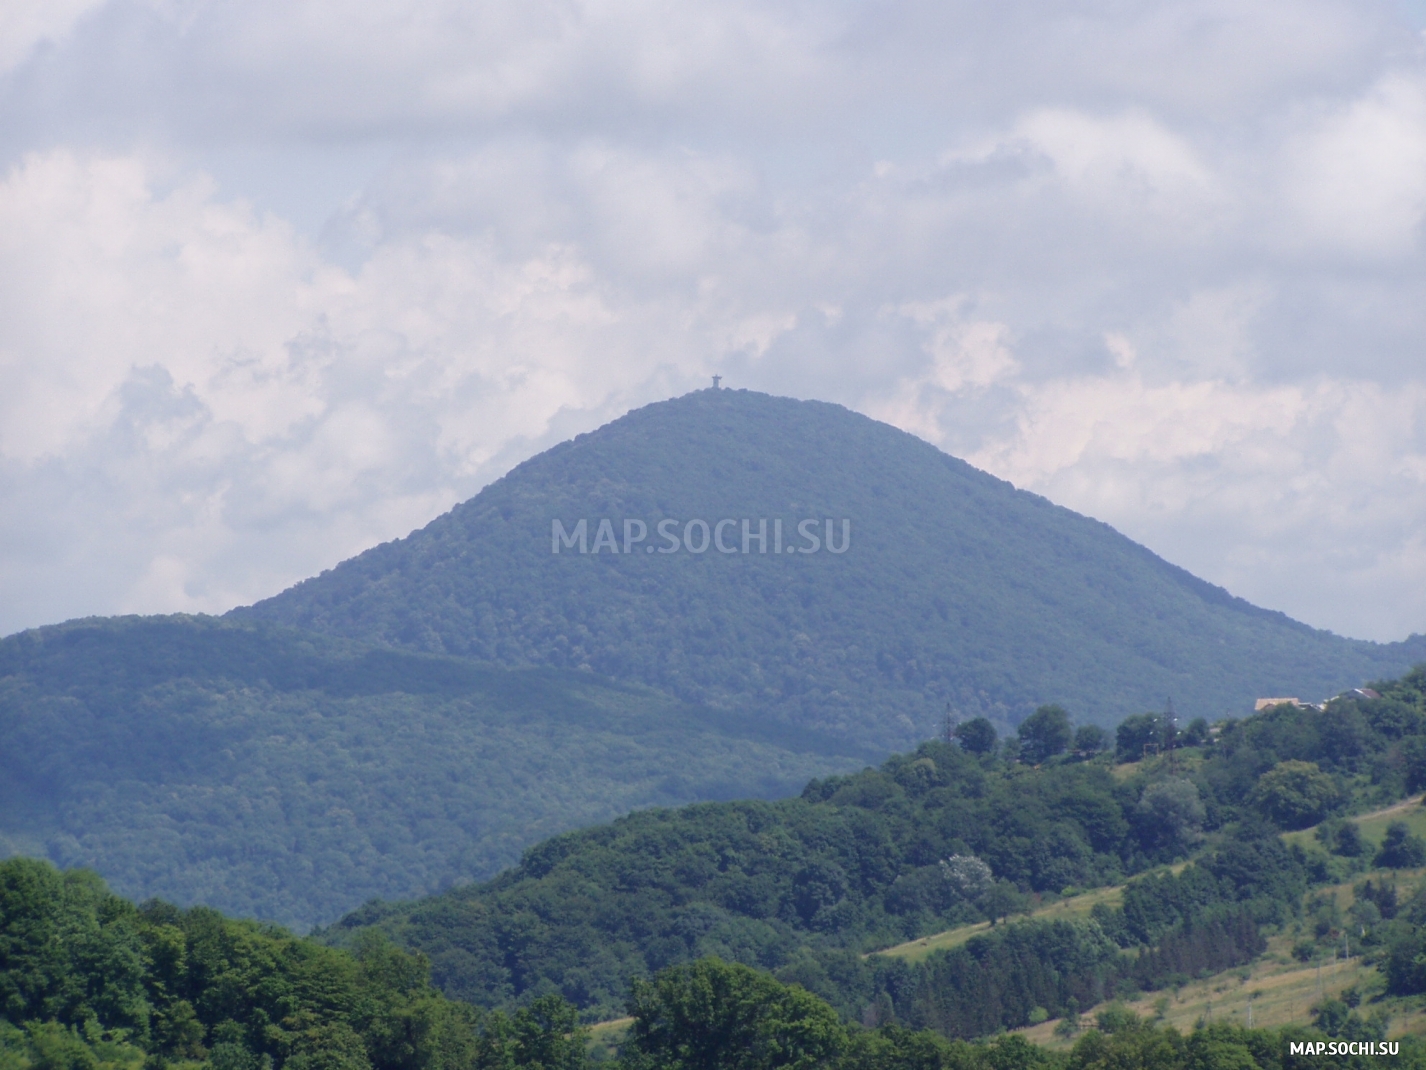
(1045, 733)
(977, 736)
(714, 1015)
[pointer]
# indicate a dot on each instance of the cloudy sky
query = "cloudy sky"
(282, 279)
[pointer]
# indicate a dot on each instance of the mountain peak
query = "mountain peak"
(803, 561)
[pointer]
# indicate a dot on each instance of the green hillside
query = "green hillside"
(956, 588)
(293, 777)
(942, 837)
(89, 981)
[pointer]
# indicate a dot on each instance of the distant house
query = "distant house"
(1356, 692)
(1264, 703)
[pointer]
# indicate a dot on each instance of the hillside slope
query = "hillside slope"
(293, 777)
(956, 588)
(939, 839)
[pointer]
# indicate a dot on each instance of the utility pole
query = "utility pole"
(948, 729)
(1170, 730)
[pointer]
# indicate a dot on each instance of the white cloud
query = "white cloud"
(1256, 486)
(255, 413)
(1161, 262)
(28, 24)
(967, 355)
(1357, 176)
(1129, 155)
(101, 276)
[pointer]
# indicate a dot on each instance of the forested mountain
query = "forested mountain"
(292, 777)
(419, 715)
(955, 588)
(804, 887)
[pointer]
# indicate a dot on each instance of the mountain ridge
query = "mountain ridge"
(959, 590)
(293, 777)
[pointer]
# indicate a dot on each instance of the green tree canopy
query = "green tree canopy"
(81, 967)
(1174, 809)
(977, 735)
(714, 1015)
(1136, 733)
(1296, 794)
(1400, 849)
(1090, 739)
(1043, 734)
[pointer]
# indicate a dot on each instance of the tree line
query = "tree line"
(955, 832)
(89, 981)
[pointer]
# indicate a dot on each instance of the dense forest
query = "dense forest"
(292, 777)
(712, 1015)
(953, 832)
(734, 935)
(89, 981)
(455, 700)
(955, 589)
(461, 695)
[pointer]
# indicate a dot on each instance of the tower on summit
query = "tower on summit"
(716, 380)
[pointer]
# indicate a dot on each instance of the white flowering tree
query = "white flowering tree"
(968, 875)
